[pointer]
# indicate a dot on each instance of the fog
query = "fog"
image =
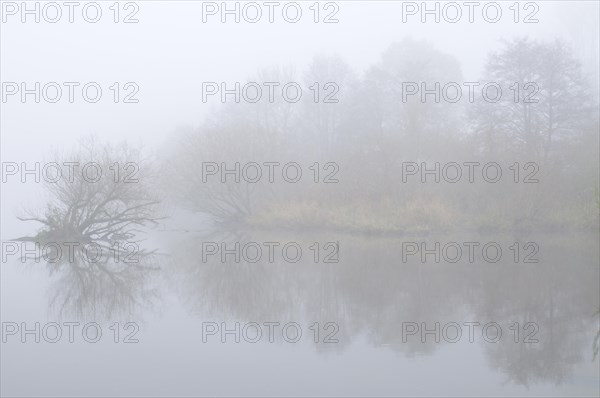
(365, 201)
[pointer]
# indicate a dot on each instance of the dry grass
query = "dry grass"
(386, 216)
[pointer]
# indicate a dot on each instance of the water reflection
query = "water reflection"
(104, 288)
(91, 281)
(89, 232)
(372, 292)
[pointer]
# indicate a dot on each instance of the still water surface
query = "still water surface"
(373, 307)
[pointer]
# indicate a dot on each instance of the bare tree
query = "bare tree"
(544, 99)
(100, 194)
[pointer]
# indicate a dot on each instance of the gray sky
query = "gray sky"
(170, 52)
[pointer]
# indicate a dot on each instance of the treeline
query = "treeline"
(533, 113)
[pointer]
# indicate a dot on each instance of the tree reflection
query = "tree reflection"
(104, 287)
(89, 231)
(371, 292)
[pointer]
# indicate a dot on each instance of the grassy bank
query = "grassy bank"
(414, 217)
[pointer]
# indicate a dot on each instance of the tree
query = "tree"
(544, 100)
(100, 194)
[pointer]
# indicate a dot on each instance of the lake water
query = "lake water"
(367, 321)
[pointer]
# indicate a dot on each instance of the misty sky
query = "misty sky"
(170, 52)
